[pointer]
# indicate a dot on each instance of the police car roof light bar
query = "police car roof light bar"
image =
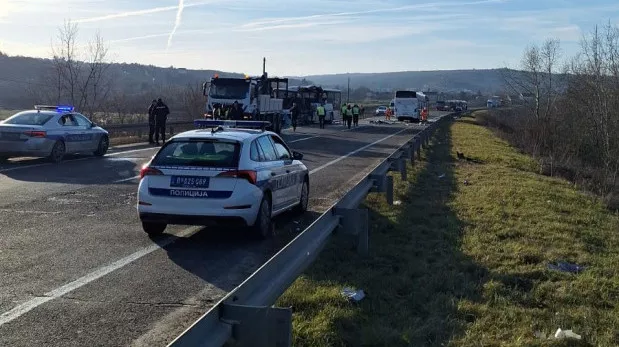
(248, 124)
(54, 108)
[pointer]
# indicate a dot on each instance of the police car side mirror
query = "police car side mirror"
(297, 156)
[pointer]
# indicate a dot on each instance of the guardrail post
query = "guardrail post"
(260, 326)
(402, 163)
(389, 190)
(418, 142)
(381, 183)
(410, 152)
(355, 222)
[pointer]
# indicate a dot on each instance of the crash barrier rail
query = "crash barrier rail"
(141, 129)
(245, 315)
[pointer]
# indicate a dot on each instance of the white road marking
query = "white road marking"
(126, 179)
(355, 152)
(29, 305)
(27, 212)
(303, 139)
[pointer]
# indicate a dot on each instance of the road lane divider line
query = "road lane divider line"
(355, 152)
(31, 304)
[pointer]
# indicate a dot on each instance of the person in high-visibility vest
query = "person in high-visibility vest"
(343, 112)
(355, 115)
(348, 116)
(320, 112)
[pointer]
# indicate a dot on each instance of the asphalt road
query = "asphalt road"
(77, 270)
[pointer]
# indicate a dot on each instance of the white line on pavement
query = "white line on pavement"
(29, 305)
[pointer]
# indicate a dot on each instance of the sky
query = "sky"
(306, 37)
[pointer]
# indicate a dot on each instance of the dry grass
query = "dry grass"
(465, 264)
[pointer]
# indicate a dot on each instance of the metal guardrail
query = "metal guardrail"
(245, 315)
(141, 129)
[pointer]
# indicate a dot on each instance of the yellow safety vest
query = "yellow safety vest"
(320, 111)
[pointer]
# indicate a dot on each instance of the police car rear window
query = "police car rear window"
(199, 153)
(29, 118)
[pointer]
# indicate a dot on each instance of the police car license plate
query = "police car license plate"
(189, 182)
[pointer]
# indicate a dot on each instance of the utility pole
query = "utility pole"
(348, 97)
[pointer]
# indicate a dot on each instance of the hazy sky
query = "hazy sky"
(301, 37)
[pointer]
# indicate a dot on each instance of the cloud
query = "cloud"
(177, 22)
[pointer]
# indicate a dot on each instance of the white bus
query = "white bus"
(407, 105)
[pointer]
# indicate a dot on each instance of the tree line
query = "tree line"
(81, 76)
(570, 121)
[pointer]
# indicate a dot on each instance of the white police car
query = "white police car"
(52, 132)
(222, 175)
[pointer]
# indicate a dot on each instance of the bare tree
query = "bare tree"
(79, 75)
(193, 100)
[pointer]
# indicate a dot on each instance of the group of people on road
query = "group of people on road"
(157, 116)
(228, 112)
(423, 114)
(350, 114)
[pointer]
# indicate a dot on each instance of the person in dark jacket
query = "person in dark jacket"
(161, 112)
(151, 121)
(294, 115)
(236, 113)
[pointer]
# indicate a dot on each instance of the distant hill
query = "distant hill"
(17, 74)
(486, 81)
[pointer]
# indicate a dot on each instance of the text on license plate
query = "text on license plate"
(189, 182)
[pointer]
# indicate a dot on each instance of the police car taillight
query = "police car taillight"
(249, 175)
(39, 134)
(149, 171)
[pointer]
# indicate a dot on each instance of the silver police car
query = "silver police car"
(52, 132)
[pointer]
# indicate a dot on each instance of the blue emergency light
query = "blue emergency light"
(58, 108)
(243, 124)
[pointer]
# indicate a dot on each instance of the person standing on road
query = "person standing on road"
(348, 116)
(320, 111)
(236, 113)
(294, 114)
(151, 121)
(161, 112)
(355, 115)
(343, 112)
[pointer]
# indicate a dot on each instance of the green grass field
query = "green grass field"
(462, 261)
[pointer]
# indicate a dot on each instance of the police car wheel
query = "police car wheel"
(303, 201)
(58, 152)
(153, 228)
(262, 226)
(104, 144)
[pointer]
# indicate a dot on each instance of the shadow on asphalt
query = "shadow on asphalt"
(198, 252)
(417, 252)
(86, 172)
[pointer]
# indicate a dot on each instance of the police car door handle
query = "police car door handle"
(287, 171)
(273, 174)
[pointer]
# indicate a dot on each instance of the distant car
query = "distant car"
(222, 176)
(52, 132)
(381, 110)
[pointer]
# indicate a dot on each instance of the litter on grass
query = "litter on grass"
(353, 295)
